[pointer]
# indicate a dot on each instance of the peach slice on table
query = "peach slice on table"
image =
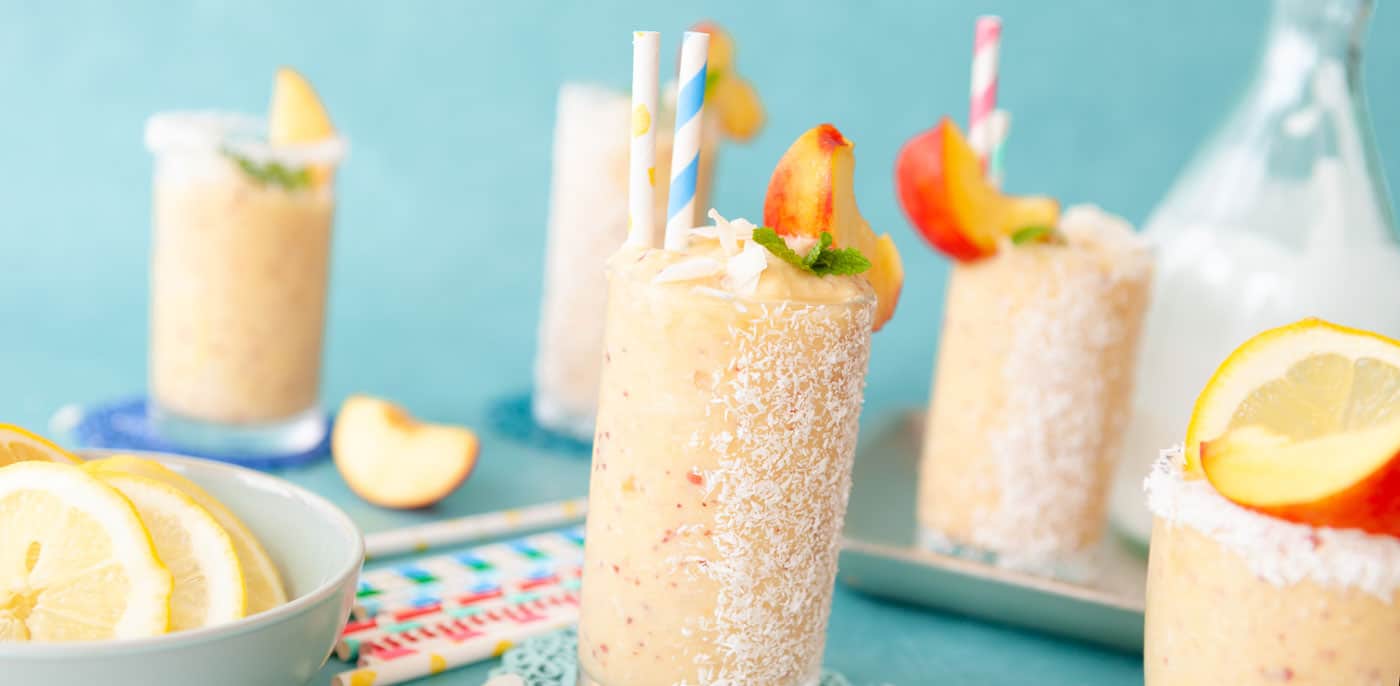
(1346, 480)
(944, 192)
(813, 191)
(297, 116)
(393, 460)
(735, 100)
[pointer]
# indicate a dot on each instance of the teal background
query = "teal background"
(449, 110)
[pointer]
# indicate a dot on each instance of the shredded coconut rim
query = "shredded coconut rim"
(1280, 552)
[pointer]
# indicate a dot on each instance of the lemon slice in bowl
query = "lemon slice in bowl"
(19, 445)
(76, 562)
(198, 552)
(1302, 381)
(263, 583)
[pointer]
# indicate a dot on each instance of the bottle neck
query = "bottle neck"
(1308, 32)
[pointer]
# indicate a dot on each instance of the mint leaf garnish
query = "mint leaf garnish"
(816, 252)
(1031, 234)
(820, 260)
(272, 173)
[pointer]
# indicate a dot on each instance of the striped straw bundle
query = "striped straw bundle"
(685, 148)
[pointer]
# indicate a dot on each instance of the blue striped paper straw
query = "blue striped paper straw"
(641, 172)
(685, 149)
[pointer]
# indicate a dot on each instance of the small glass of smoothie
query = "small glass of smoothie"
(239, 264)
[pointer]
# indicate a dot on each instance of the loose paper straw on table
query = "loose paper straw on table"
(461, 643)
(420, 581)
(641, 170)
(473, 527)
(408, 618)
(986, 44)
(685, 148)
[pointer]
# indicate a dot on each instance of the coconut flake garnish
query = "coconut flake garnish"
(689, 270)
(725, 232)
(741, 271)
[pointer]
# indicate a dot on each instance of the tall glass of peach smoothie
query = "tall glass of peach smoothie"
(1035, 364)
(730, 405)
(239, 265)
(1030, 395)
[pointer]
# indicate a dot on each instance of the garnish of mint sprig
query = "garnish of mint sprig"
(272, 173)
(1036, 234)
(821, 260)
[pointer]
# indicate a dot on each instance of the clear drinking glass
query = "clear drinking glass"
(239, 264)
(721, 469)
(1282, 214)
(587, 222)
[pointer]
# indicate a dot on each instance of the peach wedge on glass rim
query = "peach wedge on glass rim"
(812, 191)
(946, 195)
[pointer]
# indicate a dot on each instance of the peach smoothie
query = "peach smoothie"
(1238, 597)
(733, 374)
(588, 220)
(239, 267)
(1030, 393)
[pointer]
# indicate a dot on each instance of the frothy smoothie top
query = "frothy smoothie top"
(1280, 552)
(726, 262)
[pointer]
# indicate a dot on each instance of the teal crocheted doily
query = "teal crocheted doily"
(551, 660)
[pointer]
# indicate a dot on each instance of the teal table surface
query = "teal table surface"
(449, 109)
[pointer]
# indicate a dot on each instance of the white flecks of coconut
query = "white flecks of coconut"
(1052, 441)
(1281, 553)
(688, 270)
(781, 489)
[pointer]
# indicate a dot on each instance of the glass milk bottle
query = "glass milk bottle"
(1282, 214)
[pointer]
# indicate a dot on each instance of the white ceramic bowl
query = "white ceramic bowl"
(318, 551)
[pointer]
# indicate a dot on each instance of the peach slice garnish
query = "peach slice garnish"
(813, 191)
(735, 100)
(1348, 480)
(393, 460)
(946, 195)
(296, 115)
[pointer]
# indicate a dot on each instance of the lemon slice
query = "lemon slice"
(197, 551)
(1302, 381)
(19, 445)
(264, 584)
(76, 563)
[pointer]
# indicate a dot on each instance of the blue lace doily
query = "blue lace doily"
(513, 418)
(552, 660)
(126, 425)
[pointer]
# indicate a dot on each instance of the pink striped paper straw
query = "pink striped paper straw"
(986, 44)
